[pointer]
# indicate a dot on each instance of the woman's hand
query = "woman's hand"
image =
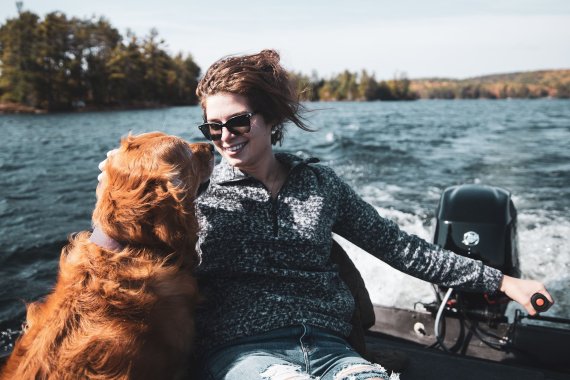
(102, 164)
(101, 167)
(522, 291)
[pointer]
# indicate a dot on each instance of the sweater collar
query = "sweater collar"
(225, 173)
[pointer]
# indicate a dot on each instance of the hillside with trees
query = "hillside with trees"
(364, 86)
(527, 85)
(353, 87)
(60, 63)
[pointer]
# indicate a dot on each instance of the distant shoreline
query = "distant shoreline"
(15, 108)
(20, 109)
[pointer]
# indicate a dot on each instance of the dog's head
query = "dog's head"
(146, 197)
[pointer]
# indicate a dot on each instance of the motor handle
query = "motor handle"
(540, 303)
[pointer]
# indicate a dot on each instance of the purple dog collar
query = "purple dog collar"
(100, 238)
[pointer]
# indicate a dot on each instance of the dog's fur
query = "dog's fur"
(124, 314)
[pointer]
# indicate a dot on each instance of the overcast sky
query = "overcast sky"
(423, 38)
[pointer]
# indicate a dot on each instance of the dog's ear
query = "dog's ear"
(146, 193)
(173, 220)
(154, 213)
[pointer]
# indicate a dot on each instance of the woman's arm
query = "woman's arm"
(360, 223)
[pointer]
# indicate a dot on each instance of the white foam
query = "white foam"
(379, 193)
(545, 256)
(544, 246)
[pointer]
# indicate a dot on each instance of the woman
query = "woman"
(275, 306)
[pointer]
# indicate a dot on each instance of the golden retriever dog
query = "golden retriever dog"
(123, 303)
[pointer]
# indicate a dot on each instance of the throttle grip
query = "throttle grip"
(540, 302)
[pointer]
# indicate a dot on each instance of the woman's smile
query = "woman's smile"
(234, 149)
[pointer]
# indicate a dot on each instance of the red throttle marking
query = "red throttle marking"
(540, 302)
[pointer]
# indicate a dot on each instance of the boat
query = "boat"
(467, 335)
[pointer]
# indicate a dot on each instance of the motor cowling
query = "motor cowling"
(480, 222)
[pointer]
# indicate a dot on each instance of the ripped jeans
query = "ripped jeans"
(301, 352)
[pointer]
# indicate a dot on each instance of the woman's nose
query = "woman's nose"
(226, 134)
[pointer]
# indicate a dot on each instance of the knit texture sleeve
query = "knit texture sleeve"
(358, 222)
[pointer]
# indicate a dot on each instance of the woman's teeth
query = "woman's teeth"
(235, 148)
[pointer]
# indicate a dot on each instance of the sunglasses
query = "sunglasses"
(238, 125)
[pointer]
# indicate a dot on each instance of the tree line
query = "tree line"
(524, 85)
(61, 63)
(353, 87)
(363, 86)
(492, 91)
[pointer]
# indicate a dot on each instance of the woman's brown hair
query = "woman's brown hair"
(264, 83)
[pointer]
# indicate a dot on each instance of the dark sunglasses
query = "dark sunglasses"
(238, 125)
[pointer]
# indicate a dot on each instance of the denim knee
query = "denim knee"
(249, 365)
(358, 369)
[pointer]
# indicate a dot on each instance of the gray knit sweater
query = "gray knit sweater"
(266, 263)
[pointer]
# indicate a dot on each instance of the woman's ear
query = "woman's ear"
(276, 134)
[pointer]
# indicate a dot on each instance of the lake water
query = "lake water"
(398, 155)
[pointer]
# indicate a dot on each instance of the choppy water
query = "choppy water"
(399, 157)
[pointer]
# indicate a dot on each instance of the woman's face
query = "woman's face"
(245, 151)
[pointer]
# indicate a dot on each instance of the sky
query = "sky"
(419, 38)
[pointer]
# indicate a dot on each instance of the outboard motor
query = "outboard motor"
(480, 222)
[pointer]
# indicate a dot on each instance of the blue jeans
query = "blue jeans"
(300, 352)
